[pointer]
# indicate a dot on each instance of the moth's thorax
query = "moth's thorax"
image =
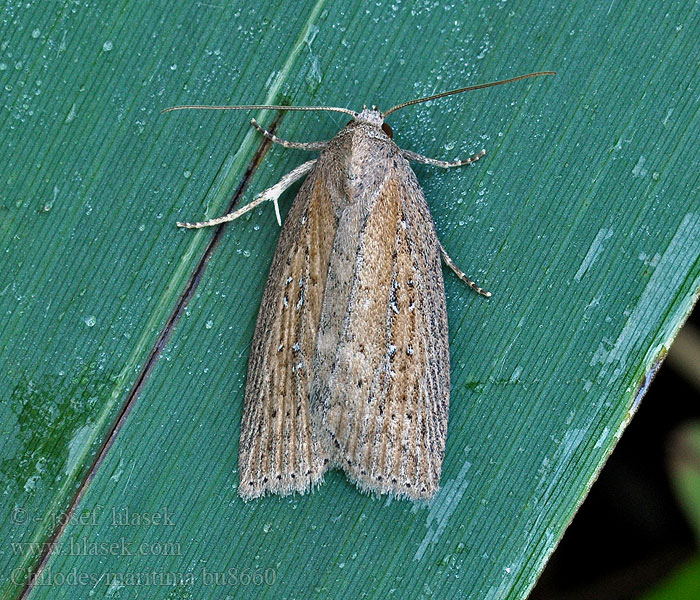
(362, 143)
(357, 162)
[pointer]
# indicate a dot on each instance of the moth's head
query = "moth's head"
(372, 116)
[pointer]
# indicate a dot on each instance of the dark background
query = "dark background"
(630, 533)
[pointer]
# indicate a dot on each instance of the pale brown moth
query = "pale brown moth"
(349, 365)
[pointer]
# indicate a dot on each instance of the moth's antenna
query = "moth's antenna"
(261, 107)
(466, 89)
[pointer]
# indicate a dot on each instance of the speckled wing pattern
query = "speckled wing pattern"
(382, 404)
(279, 452)
(349, 365)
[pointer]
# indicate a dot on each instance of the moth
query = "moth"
(349, 366)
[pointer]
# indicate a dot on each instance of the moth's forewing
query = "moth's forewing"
(279, 451)
(380, 392)
(349, 364)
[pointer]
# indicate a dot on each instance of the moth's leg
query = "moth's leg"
(272, 193)
(298, 145)
(472, 284)
(445, 164)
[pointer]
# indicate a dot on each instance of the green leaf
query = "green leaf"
(583, 220)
